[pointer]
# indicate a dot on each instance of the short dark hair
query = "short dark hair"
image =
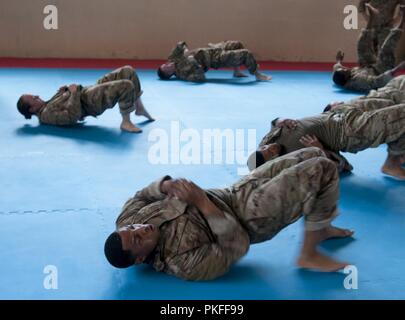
(115, 254)
(340, 78)
(283, 150)
(162, 75)
(259, 159)
(327, 108)
(24, 108)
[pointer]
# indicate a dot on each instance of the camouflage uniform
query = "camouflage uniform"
(393, 92)
(362, 123)
(255, 209)
(383, 21)
(67, 108)
(374, 69)
(227, 54)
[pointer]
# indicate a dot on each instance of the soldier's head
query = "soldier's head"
(29, 104)
(263, 154)
(166, 70)
(131, 244)
(341, 76)
(332, 106)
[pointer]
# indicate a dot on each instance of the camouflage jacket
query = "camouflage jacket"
(187, 67)
(191, 246)
(64, 108)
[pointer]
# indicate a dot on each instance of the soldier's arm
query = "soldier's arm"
(376, 82)
(64, 110)
(341, 162)
(197, 73)
(272, 136)
(212, 260)
(178, 51)
(73, 103)
(361, 6)
(284, 123)
(337, 66)
(197, 77)
(142, 198)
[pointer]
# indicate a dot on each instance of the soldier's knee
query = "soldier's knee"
(126, 85)
(127, 72)
(128, 68)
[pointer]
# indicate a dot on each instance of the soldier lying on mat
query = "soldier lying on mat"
(192, 65)
(362, 123)
(376, 67)
(195, 234)
(73, 103)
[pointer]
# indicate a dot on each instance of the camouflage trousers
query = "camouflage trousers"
(301, 183)
(228, 45)
(393, 91)
(370, 129)
(120, 86)
(227, 54)
(383, 58)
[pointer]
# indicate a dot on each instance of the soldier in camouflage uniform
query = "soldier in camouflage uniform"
(382, 24)
(192, 65)
(73, 103)
(376, 67)
(361, 123)
(196, 234)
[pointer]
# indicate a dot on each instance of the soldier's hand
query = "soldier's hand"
(311, 141)
(340, 56)
(166, 187)
(73, 88)
(287, 123)
(362, 5)
(189, 192)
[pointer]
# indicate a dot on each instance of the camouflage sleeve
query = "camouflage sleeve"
(361, 6)
(142, 198)
(197, 73)
(197, 77)
(341, 162)
(271, 137)
(382, 80)
(365, 83)
(63, 110)
(178, 51)
(210, 261)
